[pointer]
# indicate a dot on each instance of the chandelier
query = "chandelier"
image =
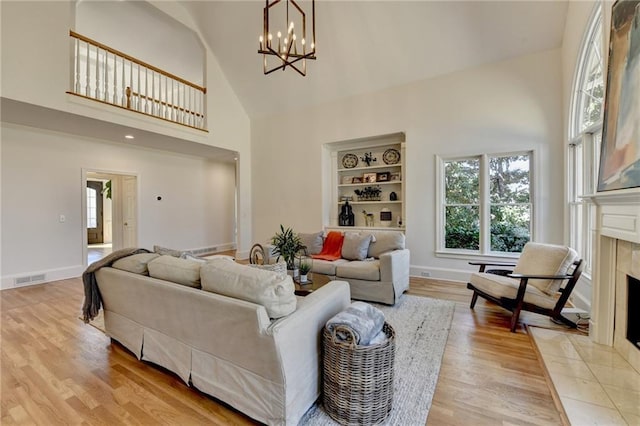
(291, 48)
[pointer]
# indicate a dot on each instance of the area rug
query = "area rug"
(422, 327)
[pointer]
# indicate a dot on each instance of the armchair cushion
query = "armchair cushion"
(501, 286)
(545, 259)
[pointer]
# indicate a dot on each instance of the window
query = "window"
(585, 135)
(486, 205)
(92, 216)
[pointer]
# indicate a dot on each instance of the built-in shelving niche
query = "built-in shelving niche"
(340, 175)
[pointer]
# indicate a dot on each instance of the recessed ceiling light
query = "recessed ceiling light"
(129, 137)
(235, 158)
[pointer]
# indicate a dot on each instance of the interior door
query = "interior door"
(94, 213)
(130, 211)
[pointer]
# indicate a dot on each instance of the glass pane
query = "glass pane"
(591, 88)
(461, 182)
(91, 208)
(462, 229)
(509, 179)
(510, 228)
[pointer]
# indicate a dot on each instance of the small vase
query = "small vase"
(303, 278)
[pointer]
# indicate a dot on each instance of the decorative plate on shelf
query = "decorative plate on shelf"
(349, 161)
(391, 156)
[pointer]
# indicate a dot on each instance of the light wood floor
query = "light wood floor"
(57, 370)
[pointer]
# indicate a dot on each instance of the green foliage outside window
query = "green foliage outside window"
(509, 197)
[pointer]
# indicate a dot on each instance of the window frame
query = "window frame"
(485, 205)
(583, 147)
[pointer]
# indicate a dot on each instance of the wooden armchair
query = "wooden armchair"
(533, 284)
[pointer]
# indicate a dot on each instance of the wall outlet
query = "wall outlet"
(62, 218)
(425, 274)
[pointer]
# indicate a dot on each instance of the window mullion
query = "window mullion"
(485, 207)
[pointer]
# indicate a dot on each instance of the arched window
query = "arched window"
(585, 135)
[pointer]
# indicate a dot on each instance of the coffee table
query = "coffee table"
(314, 282)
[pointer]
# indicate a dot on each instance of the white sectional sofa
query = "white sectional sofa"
(227, 347)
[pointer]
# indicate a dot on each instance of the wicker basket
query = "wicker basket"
(358, 381)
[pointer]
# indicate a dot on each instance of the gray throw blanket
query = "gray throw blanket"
(92, 298)
(359, 323)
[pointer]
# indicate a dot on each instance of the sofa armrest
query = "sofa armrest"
(394, 266)
(298, 342)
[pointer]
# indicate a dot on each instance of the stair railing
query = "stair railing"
(107, 75)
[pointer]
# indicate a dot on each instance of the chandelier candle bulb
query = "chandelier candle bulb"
(261, 41)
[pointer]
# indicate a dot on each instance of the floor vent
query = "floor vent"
(20, 281)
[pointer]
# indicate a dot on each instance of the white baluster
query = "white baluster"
(106, 78)
(138, 90)
(166, 96)
(115, 79)
(130, 82)
(202, 99)
(87, 91)
(77, 85)
(97, 94)
(153, 92)
(124, 87)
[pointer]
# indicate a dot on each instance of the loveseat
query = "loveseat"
(210, 324)
(374, 263)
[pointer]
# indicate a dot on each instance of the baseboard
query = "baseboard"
(439, 273)
(39, 277)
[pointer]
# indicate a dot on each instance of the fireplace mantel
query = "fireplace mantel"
(617, 219)
(618, 214)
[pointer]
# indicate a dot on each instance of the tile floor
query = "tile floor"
(595, 384)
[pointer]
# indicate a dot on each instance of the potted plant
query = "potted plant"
(304, 267)
(286, 243)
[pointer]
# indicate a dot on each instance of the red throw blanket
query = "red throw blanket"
(332, 248)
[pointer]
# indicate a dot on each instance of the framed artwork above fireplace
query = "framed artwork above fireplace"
(620, 157)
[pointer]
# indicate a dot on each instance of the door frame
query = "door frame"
(117, 218)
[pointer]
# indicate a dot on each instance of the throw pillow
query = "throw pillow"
(313, 242)
(164, 251)
(136, 263)
(356, 245)
(272, 290)
(180, 271)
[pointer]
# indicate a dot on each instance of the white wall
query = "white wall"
(42, 179)
(508, 106)
(36, 68)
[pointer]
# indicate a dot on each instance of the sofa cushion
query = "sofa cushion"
(313, 242)
(136, 263)
(356, 245)
(326, 267)
(545, 259)
(368, 270)
(386, 241)
(180, 271)
(501, 286)
(272, 290)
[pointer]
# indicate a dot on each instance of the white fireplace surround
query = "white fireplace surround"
(617, 254)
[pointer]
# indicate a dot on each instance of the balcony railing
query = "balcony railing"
(110, 76)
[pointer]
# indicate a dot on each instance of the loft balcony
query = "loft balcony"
(112, 77)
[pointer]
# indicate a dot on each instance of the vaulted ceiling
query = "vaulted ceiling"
(365, 46)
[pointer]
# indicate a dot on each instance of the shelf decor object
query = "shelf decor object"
(291, 51)
(349, 161)
(391, 156)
